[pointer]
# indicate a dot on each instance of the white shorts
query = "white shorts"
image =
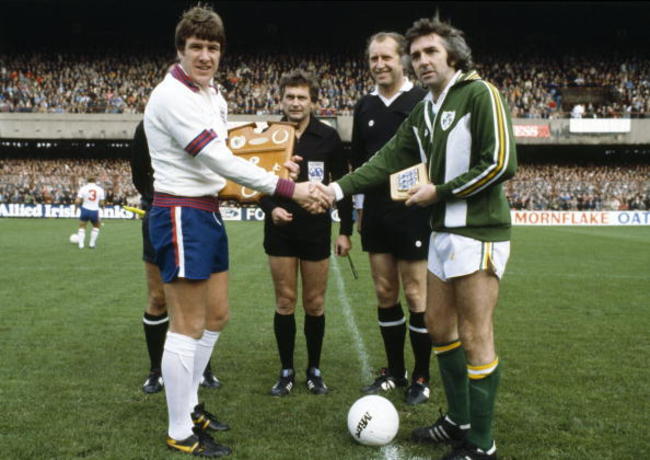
(452, 255)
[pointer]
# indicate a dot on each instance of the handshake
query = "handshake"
(314, 196)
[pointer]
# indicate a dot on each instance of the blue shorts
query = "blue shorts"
(189, 243)
(88, 215)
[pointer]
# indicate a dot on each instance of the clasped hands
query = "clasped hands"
(314, 196)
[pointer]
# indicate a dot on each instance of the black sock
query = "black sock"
(155, 331)
(285, 335)
(314, 333)
(421, 344)
(208, 368)
(392, 325)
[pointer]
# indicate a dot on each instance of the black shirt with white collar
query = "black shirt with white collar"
(375, 123)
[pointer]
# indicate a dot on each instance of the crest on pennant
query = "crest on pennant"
(446, 119)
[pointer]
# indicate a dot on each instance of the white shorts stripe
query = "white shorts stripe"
(179, 241)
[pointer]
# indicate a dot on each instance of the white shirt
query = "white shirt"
(186, 128)
(91, 194)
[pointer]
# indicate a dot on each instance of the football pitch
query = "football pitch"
(572, 329)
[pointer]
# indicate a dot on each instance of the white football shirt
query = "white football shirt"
(91, 194)
(186, 128)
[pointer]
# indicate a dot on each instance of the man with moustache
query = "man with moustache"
(395, 236)
(298, 243)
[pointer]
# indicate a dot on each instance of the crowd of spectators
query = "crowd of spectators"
(39, 181)
(77, 83)
(251, 82)
(580, 187)
(534, 87)
(535, 187)
(114, 83)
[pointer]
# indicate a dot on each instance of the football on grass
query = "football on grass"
(373, 421)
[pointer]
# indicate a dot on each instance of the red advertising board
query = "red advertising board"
(538, 131)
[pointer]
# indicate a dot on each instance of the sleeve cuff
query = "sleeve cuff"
(337, 191)
(444, 192)
(285, 188)
(357, 200)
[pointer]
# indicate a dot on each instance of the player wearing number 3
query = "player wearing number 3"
(90, 196)
(464, 131)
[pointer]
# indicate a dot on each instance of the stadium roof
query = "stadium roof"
(316, 25)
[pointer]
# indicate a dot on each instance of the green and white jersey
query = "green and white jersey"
(467, 141)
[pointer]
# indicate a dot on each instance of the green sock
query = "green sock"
(482, 394)
(453, 371)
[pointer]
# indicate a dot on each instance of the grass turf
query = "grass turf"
(571, 328)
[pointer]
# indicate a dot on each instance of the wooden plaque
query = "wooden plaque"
(402, 181)
(269, 149)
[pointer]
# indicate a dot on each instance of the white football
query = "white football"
(74, 238)
(373, 421)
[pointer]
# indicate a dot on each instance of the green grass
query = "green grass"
(572, 333)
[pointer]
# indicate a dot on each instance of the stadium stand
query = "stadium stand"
(535, 87)
(56, 181)
(535, 187)
(580, 187)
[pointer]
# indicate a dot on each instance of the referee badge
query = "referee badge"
(446, 119)
(316, 171)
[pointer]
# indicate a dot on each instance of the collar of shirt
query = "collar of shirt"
(312, 128)
(435, 106)
(406, 86)
(178, 72)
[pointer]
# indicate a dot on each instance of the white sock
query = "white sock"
(94, 233)
(177, 369)
(204, 349)
(81, 233)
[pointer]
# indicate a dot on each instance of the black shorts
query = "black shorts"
(290, 241)
(402, 232)
(148, 252)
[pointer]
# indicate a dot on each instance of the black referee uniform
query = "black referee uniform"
(387, 226)
(308, 236)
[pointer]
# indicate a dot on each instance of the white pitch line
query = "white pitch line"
(351, 323)
(391, 451)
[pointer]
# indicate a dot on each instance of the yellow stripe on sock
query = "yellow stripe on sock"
(446, 348)
(482, 371)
